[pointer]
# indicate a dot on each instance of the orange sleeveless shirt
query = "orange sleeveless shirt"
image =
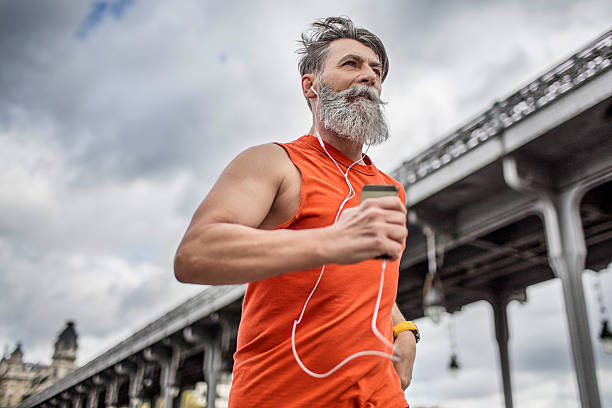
(337, 320)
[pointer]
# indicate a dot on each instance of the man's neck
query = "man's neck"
(350, 149)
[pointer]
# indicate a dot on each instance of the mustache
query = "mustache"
(364, 91)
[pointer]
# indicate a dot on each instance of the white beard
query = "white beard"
(354, 114)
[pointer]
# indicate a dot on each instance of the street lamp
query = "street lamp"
(453, 365)
(433, 299)
(606, 337)
(433, 291)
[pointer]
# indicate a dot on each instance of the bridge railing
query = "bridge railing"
(188, 313)
(584, 65)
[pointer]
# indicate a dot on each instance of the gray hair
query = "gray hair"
(315, 43)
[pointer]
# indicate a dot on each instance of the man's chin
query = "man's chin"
(351, 138)
(364, 140)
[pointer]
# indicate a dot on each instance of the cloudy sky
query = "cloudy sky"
(117, 116)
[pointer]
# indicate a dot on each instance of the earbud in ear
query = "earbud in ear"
(313, 90)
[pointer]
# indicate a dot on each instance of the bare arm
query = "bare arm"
(225, 243)
(405, 345)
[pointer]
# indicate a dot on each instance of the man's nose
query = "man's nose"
(367, 76)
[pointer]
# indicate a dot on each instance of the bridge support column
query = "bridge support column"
(168, 358)
(93, 397)
(135, 373)
(566, 255)
(77, 400)
(112, 391)
(499, 304)
(212, 369)
(212, 339)
(64, 400)
(78, 397)
(568, 265)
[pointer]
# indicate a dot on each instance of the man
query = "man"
(287, 219)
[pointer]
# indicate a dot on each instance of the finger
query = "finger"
(388, 203)
(375, 213)
(397, 233)
(393, 250)
(383, 217)
(394, 217)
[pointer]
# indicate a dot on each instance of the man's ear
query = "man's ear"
(308, 83)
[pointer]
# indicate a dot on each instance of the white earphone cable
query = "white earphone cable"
(374, 328)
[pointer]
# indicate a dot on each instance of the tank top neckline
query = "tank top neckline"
(344, 161)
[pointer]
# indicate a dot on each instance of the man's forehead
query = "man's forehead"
(347, 46)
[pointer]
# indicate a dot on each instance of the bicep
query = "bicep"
(246, 189)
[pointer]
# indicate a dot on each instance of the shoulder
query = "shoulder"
(272, 151)
(268, 158)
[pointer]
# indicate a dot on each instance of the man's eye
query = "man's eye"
(351, 63)
(377, 71)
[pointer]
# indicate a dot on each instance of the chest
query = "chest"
(325, 191)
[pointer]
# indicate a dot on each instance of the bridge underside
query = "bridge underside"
(510, 252)
(540, 210)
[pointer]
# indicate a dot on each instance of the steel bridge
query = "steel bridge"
(519, 195)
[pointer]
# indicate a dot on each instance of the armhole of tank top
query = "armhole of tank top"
(302, 198)
(402, 190)
(390, 180)
(402, 194)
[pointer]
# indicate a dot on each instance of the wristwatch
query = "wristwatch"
(404, 326)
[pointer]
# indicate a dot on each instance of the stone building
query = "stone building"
(19, 379)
